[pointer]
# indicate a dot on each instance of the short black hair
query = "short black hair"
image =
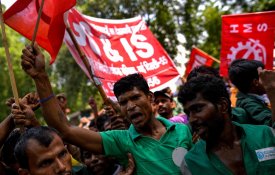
(242, 72)
(203, 70)
(129, 82)
(42, 134)
(7, 152)
(101, 120)
(210, 87)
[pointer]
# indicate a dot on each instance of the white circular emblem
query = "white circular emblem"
(178, 155)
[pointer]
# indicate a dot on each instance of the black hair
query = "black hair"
(203, 70)
(242, 72)
(7, 151)
(210, 87)
(43, 135)
(101, 120)
(129, 82)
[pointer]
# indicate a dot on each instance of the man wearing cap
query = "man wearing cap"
(165, 106)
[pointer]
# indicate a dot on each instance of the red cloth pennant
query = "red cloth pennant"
(22, 17)
(198, 58)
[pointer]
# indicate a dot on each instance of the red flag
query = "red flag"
(198, 58)
(249, 36)
(22, 17)
(116, 48)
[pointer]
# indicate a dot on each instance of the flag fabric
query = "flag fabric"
(248, 36)
(198, 58)
(22, 17)
(116, 48)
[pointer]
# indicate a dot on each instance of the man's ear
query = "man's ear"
(22, 171)
(151, 97)
(223, 105)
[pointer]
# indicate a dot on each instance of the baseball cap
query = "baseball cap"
(163, 93)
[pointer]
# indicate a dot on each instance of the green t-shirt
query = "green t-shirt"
(151, 156)
(258, 146)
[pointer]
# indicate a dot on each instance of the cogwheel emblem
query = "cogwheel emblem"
(251, 49)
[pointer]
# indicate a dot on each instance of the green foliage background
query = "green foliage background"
(198, 20)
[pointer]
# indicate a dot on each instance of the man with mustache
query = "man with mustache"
(226, 147)
(41, 151)
(150, 140)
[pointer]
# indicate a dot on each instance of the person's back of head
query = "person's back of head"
(129, 82)
(210, 87)
(203, 70)
(7, 152)
(243, 72)
(42, 134)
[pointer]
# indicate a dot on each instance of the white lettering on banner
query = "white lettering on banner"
(142, 45)
(153, 81)
(127, 70)
(248, 28)
(265, 154)
(83, 28)
(198, 61)
(262, 27)
(144, 67)
(234, 28)
(116, 31)
(111, 54)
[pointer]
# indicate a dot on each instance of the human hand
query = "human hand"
(131, 166)
(32, 61)
(117, 123)
(31, 99)
(23, 116)
(267, 78)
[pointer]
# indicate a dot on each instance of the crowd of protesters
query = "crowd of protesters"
(140, 134)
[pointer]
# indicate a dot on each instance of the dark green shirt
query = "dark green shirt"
(257, 110)
(258, 146)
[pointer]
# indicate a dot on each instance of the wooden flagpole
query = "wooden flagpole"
(88, 66)
(5, 44)
(216, 60)
(37, 23)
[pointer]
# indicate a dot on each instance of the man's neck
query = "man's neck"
(227, 138)
(154, 129)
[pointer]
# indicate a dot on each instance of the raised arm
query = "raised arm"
(33, 63)
(6, 126)
(267, 78)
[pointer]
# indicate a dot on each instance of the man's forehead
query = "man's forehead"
(199, 98)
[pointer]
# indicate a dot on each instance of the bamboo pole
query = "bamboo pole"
(86, 63)
(37, 23)
(5, 44)
(216, 60)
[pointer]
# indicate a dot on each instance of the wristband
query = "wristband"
(43, 100)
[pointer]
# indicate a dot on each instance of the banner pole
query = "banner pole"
(214, 59)
(10, 68)
(37, 23)
(5, 44)
(87, 65)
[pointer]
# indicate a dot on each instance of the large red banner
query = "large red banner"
(116, 48)
(198, 58)
(249, 36)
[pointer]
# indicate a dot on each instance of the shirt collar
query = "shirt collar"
(169, 126)
(238, 125)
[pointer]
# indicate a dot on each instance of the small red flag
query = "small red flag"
(198, 58)
(22, 17)
(248, 36)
